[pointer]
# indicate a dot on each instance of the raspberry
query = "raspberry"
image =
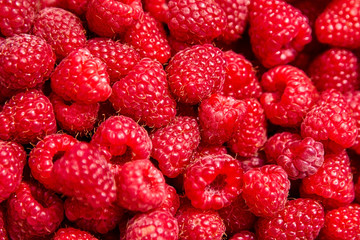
(288, 95)
(243, 235)
(70, 233)
(61, 29)
(27, 117)
(148, 37)
(335, 68)
(240, 81)
(110, 18)
(26, 61)
(174, 144)
(79, 7)
(45, 153)
(177, 45)
(256, 161)
(300, 219)
(250, 133)
(158, 9)
(338, 24)
(171, 202)
(3, 231)
(119, 58)
(6, 94)
(213, 181)
(12, 162)
(265, 190)
(196, 21)
(141, 186)
(144, 95)
(205, 149)
(33, 211)
(218, 116)
(332, 184)
(353, 100)
(196, 72)
(85, 174)
(278, 31)
(152, 226)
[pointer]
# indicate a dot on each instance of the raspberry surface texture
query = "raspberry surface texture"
(70, 233)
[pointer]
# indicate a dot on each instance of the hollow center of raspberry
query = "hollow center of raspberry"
(218, 183)
(121, 159)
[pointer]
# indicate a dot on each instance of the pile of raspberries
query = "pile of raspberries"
(179, 119)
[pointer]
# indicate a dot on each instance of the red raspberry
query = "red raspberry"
(218, 117)
(250, 133)
(3, 231)
(81, 77)
(288, 95)
(148, 37)
(176, 45)
(174, 144)
(265, 190)
(85, 174)
(278, 31)
(240, 81)
(107, 18)
(17, 16)
(196, 21)
(195, 73)
(45, 153)
(338, 24)
(144, 95)
(159, 9)
(27, 117)
(311, 9)
(119, 58)
(342, 223)
(330, 120)
(243, 235)
(335, 68)
(141, 186)
(61, 29)
(256, 161)
(153, 226)
(333, 183)
(33, 212)
(300, 219)
(213, 181)
(12, 162)
(353, 100)
(70, 233)
(171, 202)
(205, 149)
(196, 224)
(26, 61)
(79, 7)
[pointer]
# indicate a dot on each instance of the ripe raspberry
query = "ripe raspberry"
(335, 68)
(45, 153)
(250, 133)
(256, 161)
(353, 100)
(26, 61)
(70, 233)
(265, 190)
(338, 24)
(311, 9)
(195, 73)
(85, 174)
(27, 117)
(171, 202)
(82, 78)
(141, 186)
(119, 58)
(243, 235)
(196, 21)
(61, 29)
(144, 95)
(278, 31)
(204, 149)
(174, 144)
(3, 231)
(12, 162)
(109, 18)
(176, 45)
(33, 211)
(301, 219)
(159, 9)
(153, 226)
(218, 117)
(148, 37)
(240, 80)
(79, 7)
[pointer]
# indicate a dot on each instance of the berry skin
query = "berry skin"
(12, 162)
(26, 61)
(335, 68)
(196, 21)
(33, 211)
(278, 31)
(353, 99)
(243, 235)
(171, 202)
(27, 117)
(265, 190)
(144, 95)
(158, 9)
(152, 226)
(338, 24)
(61, 29)
(174, 144)
(300, 219)
(79, 7)
(70, 233)
(196, 72)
